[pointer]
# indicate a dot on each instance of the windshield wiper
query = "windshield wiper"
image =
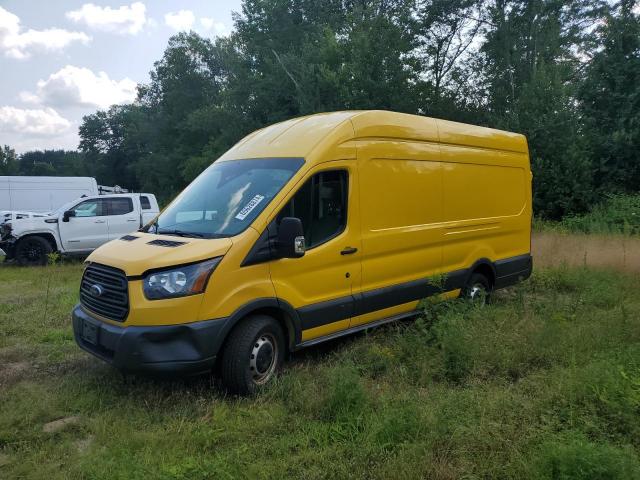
(147, 228)
(179, 233)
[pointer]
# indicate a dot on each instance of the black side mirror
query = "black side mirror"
(67, 215)
(290, 238)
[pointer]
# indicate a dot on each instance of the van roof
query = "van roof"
(299, 137)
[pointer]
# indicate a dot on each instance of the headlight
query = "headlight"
(179, 281)
(5, 229)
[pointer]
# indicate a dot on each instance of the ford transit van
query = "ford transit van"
(307, 230)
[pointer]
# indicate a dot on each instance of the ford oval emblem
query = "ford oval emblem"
(96, 290)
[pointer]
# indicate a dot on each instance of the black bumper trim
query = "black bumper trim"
(513, 270)
(8, 246)
(509, 271)
(188, 348)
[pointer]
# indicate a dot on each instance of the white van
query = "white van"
(43, 194)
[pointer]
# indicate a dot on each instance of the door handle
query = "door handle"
(100, 221)
(348, 251)
(132, 220)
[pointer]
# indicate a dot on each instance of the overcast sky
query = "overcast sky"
(60, 60)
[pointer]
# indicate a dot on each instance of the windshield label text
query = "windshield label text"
(248, 208)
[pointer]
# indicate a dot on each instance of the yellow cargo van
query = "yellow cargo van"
(304, 231)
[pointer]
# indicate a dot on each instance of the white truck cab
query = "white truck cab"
(77, 227)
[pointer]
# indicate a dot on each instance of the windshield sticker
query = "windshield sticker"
(248, 208)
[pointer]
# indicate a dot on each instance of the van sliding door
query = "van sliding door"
(401, 199)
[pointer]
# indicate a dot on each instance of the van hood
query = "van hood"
(137, 256)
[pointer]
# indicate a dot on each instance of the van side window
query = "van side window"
(120, 206)
(145, 203)
(321, 205)
(90, 208)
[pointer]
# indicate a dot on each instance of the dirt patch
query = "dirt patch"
(83, 444)
(596, 251)
(60, 424)
(10, 373)
(79, 362)
(14, 354)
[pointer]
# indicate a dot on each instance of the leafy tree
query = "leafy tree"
(112, 144)
(610, 101)
(531, 57)
(447, 31)
(52, 162)
(538, 67)
(8, 161)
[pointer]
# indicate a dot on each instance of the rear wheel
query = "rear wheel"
(478, 289)
(252, 354)
(32, 251)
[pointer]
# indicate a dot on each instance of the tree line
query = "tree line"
(564, 73)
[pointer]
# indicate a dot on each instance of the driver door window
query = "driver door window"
(321, 205)
(90, 208)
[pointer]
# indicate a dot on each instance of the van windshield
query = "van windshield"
(226, 197)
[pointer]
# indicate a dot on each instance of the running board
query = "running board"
(358, 328)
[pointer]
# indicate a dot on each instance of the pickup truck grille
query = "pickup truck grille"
(105, 291)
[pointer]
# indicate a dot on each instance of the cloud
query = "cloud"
(210, 24)
(18, 43)
(182, 20)
(41, 122)
(78, 86)
(125, 19)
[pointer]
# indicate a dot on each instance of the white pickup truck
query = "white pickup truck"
(76, 228)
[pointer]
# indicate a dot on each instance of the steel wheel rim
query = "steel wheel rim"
(478, 293)
(263, 358)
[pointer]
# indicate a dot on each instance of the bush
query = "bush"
(619, 214)
(573, 457)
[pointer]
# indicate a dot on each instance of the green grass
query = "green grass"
(543, 384)
(617, 214)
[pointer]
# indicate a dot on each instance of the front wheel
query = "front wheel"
(252, 354)
(477, 289)
(32, 251)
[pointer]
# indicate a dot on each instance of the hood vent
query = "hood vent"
(128, 238)
(166, 243)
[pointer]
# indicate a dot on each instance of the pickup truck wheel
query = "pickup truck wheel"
(32, 251)
(252, 354)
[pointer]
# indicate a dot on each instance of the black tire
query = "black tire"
(478, 289)
(245, 364)
(32, 251)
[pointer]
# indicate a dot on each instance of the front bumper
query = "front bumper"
(188, 348)
(7, 245)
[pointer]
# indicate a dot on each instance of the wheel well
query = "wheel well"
(282, 317)
(486, 270)
(47, 236)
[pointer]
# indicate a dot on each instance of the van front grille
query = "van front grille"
(104, 290)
